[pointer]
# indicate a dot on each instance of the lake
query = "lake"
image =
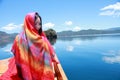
(86, 57)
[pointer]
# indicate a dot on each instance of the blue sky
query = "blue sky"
(61, 15)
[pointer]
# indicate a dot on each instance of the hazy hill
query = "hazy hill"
(6, 38)
(89, 32)
(116, 28)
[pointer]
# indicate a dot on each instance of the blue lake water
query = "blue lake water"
(86, 58)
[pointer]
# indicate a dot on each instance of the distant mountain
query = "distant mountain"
(116, 28)
(89, 32)
(6, 38)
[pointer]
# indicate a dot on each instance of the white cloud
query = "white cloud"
(49, 25)
(77, 28)
(114, 7)
(12, 28)
(70, 48)
(111, 10)
(68, 23)
(112, 57)
(108, 13)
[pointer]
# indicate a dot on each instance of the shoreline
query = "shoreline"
(112, 34)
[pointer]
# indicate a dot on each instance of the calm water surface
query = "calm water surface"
(86, 58)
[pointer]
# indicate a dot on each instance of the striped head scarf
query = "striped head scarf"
(32, 52)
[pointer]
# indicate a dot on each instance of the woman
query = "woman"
(33, 54)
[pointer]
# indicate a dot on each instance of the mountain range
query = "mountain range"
(89, 32)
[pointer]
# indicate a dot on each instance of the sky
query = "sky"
(61, 15)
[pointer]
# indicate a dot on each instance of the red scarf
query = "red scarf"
(32, 54)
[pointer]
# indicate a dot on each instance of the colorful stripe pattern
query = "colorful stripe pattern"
(32, 53)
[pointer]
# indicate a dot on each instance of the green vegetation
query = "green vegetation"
(51, 35)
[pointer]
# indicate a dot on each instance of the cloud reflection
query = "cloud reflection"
(77, 42)
(70, 48)
(7, 50)
(112, 57)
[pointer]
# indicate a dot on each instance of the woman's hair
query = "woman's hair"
(37, 15)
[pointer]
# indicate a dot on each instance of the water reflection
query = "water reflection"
(87, 58)
(5, 52)
(4, 43)
(83, 59)
(80, 37)
(78, 42)
(7, 48)
(90, 38)
(52, 40)
(112, 56)
(70, 48)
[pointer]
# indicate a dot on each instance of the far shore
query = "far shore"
(112, 34)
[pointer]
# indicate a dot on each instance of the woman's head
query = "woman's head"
(38, 23)
(33, 23)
